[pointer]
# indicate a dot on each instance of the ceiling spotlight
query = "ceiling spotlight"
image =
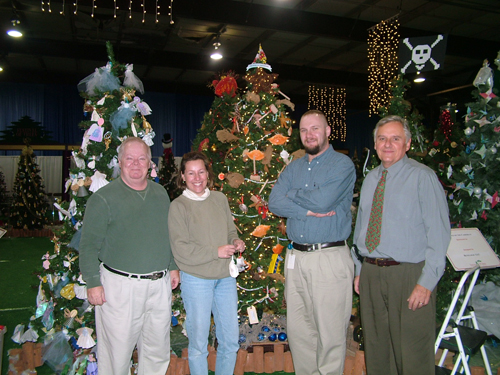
(419, 79)
(15, 31)
(216, 54)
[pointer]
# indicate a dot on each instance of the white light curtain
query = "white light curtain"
(50, 171)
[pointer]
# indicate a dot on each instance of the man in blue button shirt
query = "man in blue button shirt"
(315, 193)
(399, 275)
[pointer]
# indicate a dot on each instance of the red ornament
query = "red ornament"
(226, 85)
(435, 143)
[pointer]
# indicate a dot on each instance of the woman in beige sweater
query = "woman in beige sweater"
(203, 239)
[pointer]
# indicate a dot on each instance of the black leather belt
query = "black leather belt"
(382, 262)
(316, 246)
(151, 276)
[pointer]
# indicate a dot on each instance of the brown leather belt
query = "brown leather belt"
(316, 246)
(151, 276)
(382, 262)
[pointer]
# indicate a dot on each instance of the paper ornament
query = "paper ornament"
(278, 139)
(260, 230)
(85, 339)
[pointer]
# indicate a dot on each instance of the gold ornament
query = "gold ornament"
(68, 292)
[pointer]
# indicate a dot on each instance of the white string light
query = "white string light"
(170, 12)
(143, 5)
(332, 102)
(383, 42)
(63, 5)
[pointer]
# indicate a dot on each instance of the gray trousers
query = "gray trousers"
(398, 341)
(318, 294)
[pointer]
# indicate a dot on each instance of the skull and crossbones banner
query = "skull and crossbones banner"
(421, 54)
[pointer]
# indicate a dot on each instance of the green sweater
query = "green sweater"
(127, 230)
(197, 229)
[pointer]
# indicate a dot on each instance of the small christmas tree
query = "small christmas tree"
(26, 129)
(249, 140)
(168, 171)
(3, 195)
(29, 206)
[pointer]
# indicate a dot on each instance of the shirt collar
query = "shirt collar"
(396, 167)
(318, 158)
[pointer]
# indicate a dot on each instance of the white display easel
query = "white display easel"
(468, 251)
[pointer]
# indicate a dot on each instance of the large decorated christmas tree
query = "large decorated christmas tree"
(249, 139)
(472, 176)
(113, 112)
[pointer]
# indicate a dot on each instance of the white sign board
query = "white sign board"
(469, 248)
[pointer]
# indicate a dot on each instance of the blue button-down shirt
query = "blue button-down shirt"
(322, 185)
(415, 221)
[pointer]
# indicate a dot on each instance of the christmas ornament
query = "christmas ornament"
(484, 76)
(468, 131)
(226, 85)
(260, 230)
(278, 139)
(282, 336)
(467, 169)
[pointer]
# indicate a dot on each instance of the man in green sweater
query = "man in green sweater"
(127, 263)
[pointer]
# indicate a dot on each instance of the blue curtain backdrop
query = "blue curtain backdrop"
(59, 108)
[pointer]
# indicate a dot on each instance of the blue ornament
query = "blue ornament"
(265, 329)
(276, 329)
(467, 149)
(273, 337)
(261, 337)
(282, 336)
(174, 321)
(242, 339)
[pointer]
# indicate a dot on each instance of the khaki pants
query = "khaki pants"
(318, 294)
(398, 341)
(137, 312)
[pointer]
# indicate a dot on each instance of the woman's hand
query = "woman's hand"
(226, 251)
(239, 244)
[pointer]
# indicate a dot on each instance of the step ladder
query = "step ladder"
(463, 339)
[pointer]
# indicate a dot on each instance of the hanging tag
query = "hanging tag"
(252, 315)
(290, 264)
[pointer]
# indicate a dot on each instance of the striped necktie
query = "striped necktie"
(375, 223)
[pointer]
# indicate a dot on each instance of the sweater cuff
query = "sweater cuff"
(93, 281)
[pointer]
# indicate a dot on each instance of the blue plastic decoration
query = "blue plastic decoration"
(282, 336)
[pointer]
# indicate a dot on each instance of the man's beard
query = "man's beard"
(312, 150)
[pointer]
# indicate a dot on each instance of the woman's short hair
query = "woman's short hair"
(192, 156)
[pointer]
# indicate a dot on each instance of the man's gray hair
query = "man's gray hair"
(130, 140)
(393, 118)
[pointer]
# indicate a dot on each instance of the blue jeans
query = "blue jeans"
(202, 297)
